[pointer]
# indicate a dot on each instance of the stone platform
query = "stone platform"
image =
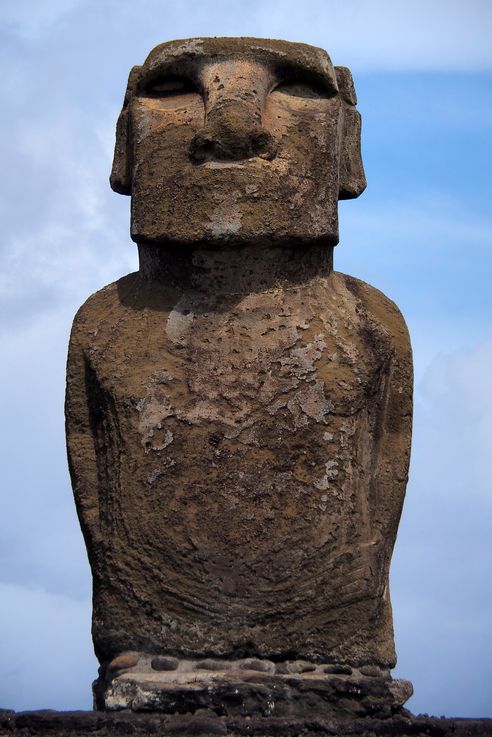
(100, 724)
(248, 687)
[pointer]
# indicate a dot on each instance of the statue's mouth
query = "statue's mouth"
(253, 162)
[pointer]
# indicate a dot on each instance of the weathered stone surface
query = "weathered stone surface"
(89, 724)
(123, 661)
(338, 669)
(238, 414)
(372, 671)
(260, 665)
(282, 555)
(250, 686)
(213, 665)
(233, 690)
(163, 662)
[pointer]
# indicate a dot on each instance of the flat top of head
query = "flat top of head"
(281, 53)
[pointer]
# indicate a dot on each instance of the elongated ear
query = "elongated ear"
(352, 180)
(121, 173)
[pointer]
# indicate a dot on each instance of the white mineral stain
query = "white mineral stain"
(168, 439)
(302, 360)
(227, 216)
(331, 471)
(179, 321)
(310, 402)
(190, 46)
(324, 482)
(154, 476)
(154, 408)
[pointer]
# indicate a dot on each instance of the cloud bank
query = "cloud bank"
(441, 35)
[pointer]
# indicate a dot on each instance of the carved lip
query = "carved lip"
(253, 162)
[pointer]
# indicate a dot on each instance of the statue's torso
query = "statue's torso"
(245, 432)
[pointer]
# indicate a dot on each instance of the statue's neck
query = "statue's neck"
(235, 269)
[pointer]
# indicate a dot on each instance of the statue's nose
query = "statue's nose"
(234, 127)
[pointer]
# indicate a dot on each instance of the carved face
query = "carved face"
(234, 141)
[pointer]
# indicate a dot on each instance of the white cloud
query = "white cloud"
(457, 406)
(384, 34)
(41, 544)
(431, 255)
(441, 592)
(32, 19)
(65, 232)
(47, 659)
(389, 35)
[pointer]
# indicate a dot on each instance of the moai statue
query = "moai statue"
(239, 414)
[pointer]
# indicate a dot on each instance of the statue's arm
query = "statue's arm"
(393, 459)
(394, 425)
(392, 428)
(79, 423)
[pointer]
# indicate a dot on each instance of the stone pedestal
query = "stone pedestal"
(296, 689)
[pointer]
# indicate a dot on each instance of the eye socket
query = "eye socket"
(312, 90)
(169, 87)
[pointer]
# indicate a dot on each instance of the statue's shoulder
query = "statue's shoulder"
(104, 302)
(379, 308)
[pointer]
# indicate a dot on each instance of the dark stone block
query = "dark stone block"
(100, 724)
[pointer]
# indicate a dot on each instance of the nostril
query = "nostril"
(227, 145)
(263, 145)
(202, 148)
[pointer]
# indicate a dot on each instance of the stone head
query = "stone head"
(235, 141)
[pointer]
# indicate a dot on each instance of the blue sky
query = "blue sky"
(422, 232)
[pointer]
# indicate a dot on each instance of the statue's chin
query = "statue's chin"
(241, 239)
(226, 209)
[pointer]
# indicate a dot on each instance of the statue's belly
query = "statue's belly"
(241, 455)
